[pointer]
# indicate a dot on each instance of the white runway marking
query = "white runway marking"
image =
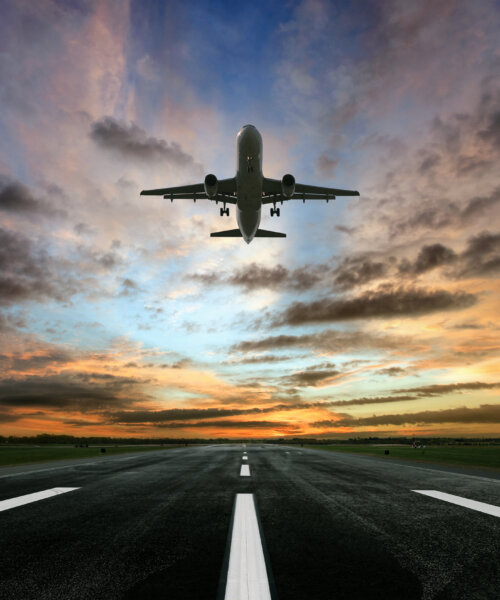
(28, 498)
(244, 457)
(246, 575)
(245, 471)
(489, 509)
(244, 452)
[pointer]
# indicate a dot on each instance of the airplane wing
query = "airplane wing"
(226, 192)
(273, 192)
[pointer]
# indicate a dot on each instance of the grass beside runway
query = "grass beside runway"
(465, 456)
(17, 455)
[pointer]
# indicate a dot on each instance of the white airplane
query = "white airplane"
(249, 190)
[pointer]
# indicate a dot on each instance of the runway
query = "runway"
(332, 526)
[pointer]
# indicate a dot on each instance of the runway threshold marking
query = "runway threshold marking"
(245, 471)
(489, 509)
(247, 574)
(28, 498)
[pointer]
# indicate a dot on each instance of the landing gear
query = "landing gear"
(224, 211)
(275, 211)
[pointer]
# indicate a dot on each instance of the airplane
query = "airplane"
(249, 190)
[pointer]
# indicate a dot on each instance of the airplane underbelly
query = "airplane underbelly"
(248, 221)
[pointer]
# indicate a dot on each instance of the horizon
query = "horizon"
(376, 316)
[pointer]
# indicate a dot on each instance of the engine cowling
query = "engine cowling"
(211, 185)
(288, 185)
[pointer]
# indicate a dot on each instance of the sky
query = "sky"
(376, 316)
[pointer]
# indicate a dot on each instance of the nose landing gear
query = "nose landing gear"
(275, 211)
(224, 211)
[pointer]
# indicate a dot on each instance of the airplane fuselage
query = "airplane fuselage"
(248, 181)
(249, 190)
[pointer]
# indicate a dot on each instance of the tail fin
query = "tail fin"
(265, 233)
(227, 233)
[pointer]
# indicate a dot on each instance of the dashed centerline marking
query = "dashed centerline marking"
(489, 509)
(244, 457)
(247, 574)
(245, 471)
(28, 498)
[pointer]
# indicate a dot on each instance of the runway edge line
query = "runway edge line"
(489, 509)
(29, 498)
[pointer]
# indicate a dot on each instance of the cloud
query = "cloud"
(253, 277)
(311, 377)
(17, 199)
(446, 214)
(229, 424)
(330, 341)
(383, 302)
(486, 413)
(130, 141)
(50, 357)
(326, 165)
(447, 388)
(429, 257)
(27, 272)
(391, 371)
(374, 400)
(356, 271)
(182, 414)
(482, 256)
(78, 391)
(264, 358)
(9, 417)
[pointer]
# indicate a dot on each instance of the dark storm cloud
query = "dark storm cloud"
(16, 198)
(129, 140)
(486, 413)
(83, 392)
(383, 302)
(27, 272)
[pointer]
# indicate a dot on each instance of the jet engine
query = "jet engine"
(288, 185)
(211, 185)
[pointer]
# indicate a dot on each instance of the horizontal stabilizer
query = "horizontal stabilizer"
(227, 233)
(265, 233)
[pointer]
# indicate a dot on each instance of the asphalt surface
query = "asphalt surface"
(335, 526)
